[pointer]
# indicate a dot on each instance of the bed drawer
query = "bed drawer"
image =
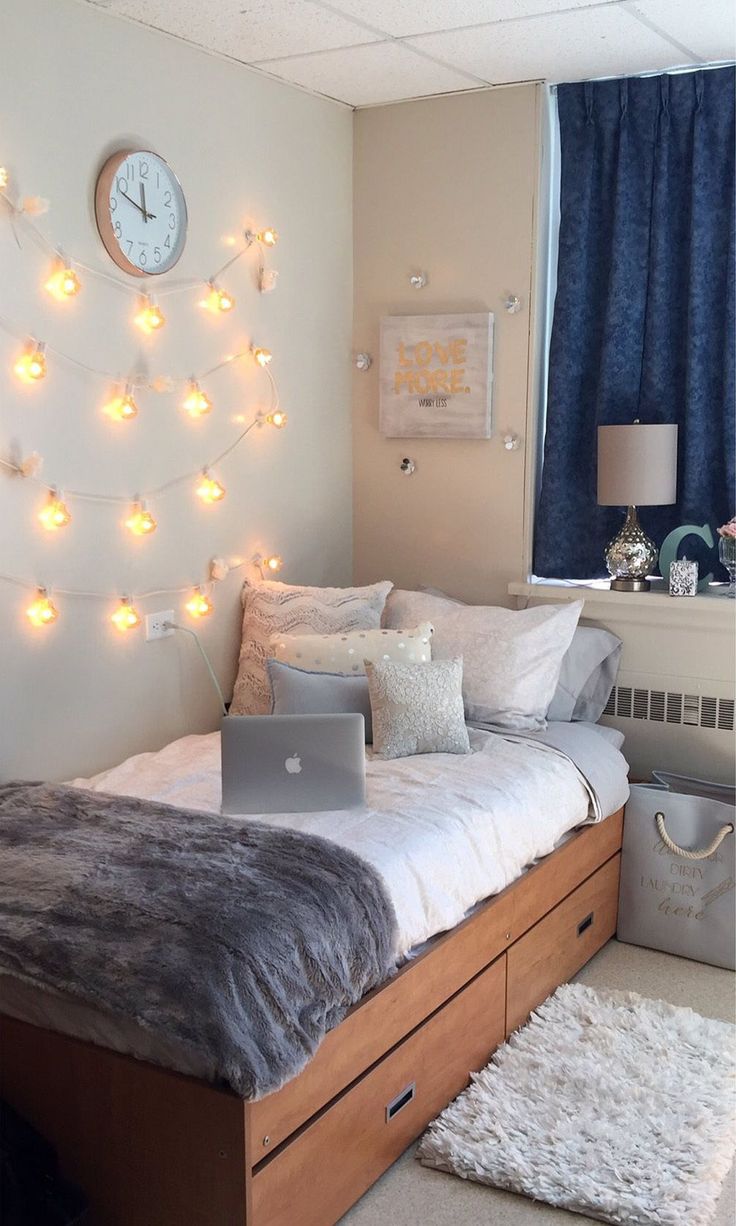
(555, 948)
(319, 1174)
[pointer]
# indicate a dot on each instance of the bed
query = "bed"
(503, 871)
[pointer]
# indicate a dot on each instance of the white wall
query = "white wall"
(77, 83)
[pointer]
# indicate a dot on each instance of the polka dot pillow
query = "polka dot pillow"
(347, 653)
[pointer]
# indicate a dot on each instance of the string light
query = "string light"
(63, 284)
(210, 490)
(140, 521)
(273, 564)
(122, 408)
(269, 237)
(196, 402)
(278, 419)
(199, 604)
(262, 356)
(4, 178)
(55, 514)
(218, 299)
(43, 611)
(31, 365)
(150, 317)
(125, 617)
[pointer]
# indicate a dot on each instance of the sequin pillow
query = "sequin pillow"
(417, 708)
(347, 653)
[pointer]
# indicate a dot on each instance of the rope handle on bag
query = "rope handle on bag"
(691, 855)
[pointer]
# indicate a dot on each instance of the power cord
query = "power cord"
(205, 657)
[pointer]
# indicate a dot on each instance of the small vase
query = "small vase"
(727, 554)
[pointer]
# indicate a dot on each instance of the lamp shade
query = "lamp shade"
(637, 465)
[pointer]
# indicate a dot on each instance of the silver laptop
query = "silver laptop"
(292, 763)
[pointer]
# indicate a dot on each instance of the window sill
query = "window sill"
(709, 609)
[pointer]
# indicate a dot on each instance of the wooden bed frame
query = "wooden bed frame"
(154, 1148)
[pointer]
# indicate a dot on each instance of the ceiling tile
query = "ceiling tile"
(248, 30)
(405, 17)
(368, 75)
(593, 42)
(707, 28)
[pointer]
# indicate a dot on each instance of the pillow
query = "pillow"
(296, 692)
(588, 672)
(417, 708)
(271, 607)
(346, 653)
(512, 658)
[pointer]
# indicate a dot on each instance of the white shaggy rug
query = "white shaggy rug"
(605, 1103)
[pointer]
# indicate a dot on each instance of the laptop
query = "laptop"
(292, 763)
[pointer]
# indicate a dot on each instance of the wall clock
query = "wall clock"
(141, 212)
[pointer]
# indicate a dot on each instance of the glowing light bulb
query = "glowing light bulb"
(125, 617)
(218, 299)
(4, 178)
(199, 604)
(197, 403)
(55, 514)
(210, 490)
(150, 317)
(140, 521)
(122, 408)
(269, 237)
(31, 365)
(273, 564)
(278, 419)
(43, 611)
(262, 356)
(63, 283)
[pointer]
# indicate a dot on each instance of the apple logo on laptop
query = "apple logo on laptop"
(293, 765)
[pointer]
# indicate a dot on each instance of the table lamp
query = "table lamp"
(637, 467)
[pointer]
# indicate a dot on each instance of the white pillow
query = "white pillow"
(347, 653)
(282, 608)
(512, 658)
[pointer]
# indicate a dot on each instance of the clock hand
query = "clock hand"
(143, 203)
(131, 201)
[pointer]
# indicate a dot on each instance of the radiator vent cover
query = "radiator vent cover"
(663, 707)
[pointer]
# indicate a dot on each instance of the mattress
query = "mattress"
(444, 831)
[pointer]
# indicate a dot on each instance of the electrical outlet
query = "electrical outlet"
(156, 625)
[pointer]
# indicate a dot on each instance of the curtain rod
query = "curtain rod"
(654, 72)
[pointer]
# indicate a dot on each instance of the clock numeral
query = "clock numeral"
(129, 241)
(121, 184)
(172, 221)
(167, 199)
(118, 230)
(157, 254)
(167, 241)
(143, 169)
(130, 170)
(113, 203)
(143, 259)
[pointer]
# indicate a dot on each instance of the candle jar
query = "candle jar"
(683, 577)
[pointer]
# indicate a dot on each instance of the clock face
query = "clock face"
(141, 212)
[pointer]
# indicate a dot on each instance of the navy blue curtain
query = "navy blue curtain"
(644, 313)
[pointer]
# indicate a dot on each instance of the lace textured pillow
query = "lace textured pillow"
(417, 708)
(281, 608)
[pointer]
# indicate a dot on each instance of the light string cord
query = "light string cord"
(19, 220)
(77, 593)
(156, 491)
(205, 657)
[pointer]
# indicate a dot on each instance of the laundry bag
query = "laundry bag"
(678, 872)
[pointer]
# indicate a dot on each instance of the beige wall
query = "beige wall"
(75, 84)
(447, 185)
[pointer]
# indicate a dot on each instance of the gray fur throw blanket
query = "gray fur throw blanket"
(240, 940)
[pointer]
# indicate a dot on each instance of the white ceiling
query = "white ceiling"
(368, 52)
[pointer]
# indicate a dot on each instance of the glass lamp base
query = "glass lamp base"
(631, 556)
(630, 585)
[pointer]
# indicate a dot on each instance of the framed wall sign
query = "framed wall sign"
(436, 375)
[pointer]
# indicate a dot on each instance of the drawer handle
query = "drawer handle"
(402, 1099)
(585, 923)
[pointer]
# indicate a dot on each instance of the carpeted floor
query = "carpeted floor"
(410, 1195)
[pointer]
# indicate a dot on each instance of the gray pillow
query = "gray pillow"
(417, 708)
(296, 692)
(586, 679)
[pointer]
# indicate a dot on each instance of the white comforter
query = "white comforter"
(444, 830)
